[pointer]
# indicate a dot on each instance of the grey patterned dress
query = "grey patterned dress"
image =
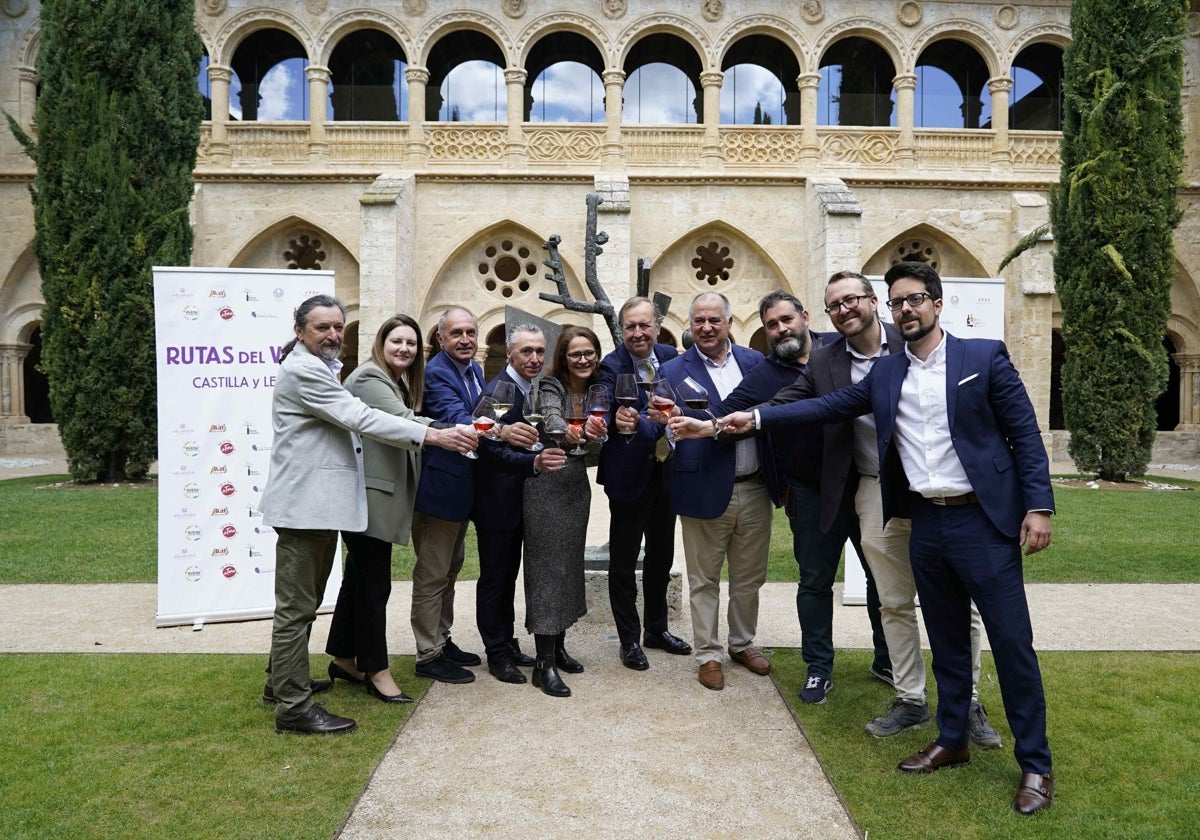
(556, 519)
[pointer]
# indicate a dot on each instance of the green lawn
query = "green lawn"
(64, 533)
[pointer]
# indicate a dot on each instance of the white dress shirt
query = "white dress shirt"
(727, 376)
(923, 429)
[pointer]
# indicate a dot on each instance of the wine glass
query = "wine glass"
(663, 399)
(503, 394)
(531, 410)
(694, 395)
(556, 428)
(483, 418)
(627, 397)
(598, 406)
(576, 416)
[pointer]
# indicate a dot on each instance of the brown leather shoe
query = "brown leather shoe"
(1035, 793)
(934, 757)
(753, 660)
(711, 676)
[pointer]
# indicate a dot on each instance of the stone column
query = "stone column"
(318, 100)
(219, 152)
(418, 149)
(27, 96)
(387, 254)
(12, 383)
(1029, 305)
(711, 156)
(1001, 155)
(612, 153)
(905, 84)
(834, 241)
(810, 143)
(516, 151)
(1189, 391)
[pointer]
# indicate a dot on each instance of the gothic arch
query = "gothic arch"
(347, 23)
(771, 26)
(667, 24)
(238, 27)
(266, 247)
(563, 22)
(953, 258)
(445, 24)
(21, 297)
(869, 30)
(969, 32)
(1046, 33)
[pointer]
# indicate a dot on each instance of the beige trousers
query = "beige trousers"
(741, 535)
(439, 548)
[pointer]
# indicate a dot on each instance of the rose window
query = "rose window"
(507, 267)
(917, 250)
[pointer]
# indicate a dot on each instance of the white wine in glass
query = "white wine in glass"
(531, 410)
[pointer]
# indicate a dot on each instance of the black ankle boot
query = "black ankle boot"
(545, 674)
(564, 660)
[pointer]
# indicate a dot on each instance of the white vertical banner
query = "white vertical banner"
(218, 337)
(972, 307)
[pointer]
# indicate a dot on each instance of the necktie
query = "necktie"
(662, 447)
(472, 387)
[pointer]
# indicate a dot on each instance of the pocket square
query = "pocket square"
(968, 379)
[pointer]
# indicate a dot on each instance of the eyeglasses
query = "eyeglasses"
(846, 303)
(914, 300)
(582, 355)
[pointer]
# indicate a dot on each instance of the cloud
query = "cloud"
(280, 95)
(659, 93)
(747, 85)
(476, 89)
(568, 92)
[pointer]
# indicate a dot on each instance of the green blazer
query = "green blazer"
(391, 473)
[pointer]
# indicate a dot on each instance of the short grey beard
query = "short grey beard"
(789, 349)
(328, 353)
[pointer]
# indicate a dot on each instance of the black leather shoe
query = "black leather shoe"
(336, 672)
(443, 670)
(315, 686)
(665, 641)
(387, 698)
(518, 658)
(503, 670)
(633, 657)
(459, 656)
(565, 662)
(545, 677)
(314, 721)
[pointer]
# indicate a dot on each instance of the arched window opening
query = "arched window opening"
(1058, 354)
(760, 86)
(37, 386)
(269, 81)
(1167, 406)
(366, 71)
(951, 88)
(563, 80)
(662, 82)
(466, 80)
(1037, 91)
(856, 85)
(205, 85)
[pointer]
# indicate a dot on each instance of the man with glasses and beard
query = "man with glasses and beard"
(316, 488)
(960, 453)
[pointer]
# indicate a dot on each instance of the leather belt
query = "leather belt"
(738, 479)
(955, 501)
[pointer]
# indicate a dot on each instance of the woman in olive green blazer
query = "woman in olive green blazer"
(392, 381)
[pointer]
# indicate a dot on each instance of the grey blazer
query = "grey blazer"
(391, 473)
(316, 479)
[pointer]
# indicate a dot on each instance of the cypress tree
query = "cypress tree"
(1113, 213)
(118, 119)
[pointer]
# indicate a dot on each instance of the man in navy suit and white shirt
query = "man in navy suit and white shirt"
(722, 502)
(961, 453)
(639, 498)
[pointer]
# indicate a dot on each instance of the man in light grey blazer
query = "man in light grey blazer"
(315, 489)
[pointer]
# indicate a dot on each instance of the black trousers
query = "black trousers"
(649, 516)
(499, 564)
(359, 627)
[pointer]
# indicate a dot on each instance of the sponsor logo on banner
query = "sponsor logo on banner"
(226, 447)
(253, 552)
(184, 555)
(250, 297)
(191, 490)
(217, 427)
(216, 293)
(227, 489)
(264, 570)
(229, 532)
(220, 552)
(264, 529)
(221, 511)
(182, 429)
(184, 293)
(260, 447)
(251, 429)
(277, 292)
(253, 512)
(219, 469)
(191, 448)
(192, 573)
(226, 313)
(182, 470)
(193, 533)
(191, 312)
(184, 513)
(229, 571)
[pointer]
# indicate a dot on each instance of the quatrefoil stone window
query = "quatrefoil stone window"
(507, 266)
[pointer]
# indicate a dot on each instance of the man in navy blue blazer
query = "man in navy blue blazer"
(721, 500)
(639, 499)
(960, 452)
(453, 381)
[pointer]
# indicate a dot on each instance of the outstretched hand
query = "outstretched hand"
(737, 423)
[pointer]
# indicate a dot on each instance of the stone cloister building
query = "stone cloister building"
(425, 149)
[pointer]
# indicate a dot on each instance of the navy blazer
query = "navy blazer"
(992, 425)
(626, 461)
(702, 470)
(501, 471)
(828, 370)
(447, 488)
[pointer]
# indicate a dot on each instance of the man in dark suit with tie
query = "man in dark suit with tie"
(639, 500)
(721, 500)
(499, 505)
(960, 452)
(453, 382)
